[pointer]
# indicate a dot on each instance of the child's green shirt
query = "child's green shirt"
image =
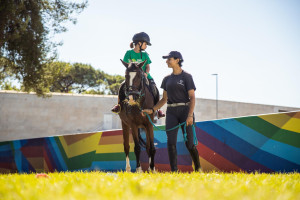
(132, 56)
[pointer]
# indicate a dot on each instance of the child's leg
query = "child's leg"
(154, 91)
(121, 97)
(156, 96)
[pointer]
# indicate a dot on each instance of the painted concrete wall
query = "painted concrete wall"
(25, 115)
(263, 143)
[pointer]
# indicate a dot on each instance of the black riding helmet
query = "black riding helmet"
(141, 37)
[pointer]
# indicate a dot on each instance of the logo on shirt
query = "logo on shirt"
(180, 82)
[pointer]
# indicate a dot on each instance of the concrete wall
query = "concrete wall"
(206, 109)
(24, 115)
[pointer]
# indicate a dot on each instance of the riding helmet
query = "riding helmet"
(141, 37)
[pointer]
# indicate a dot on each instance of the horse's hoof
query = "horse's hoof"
(200, 170)
(152, 170)
(139, 170)
(128, 169)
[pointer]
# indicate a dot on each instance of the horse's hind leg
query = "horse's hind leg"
(126, 145)
(151, 155)
(137, 148)
(150, 147)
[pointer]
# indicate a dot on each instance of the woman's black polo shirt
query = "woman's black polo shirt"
(177, 87)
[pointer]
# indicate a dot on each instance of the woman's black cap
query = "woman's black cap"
(173, 54)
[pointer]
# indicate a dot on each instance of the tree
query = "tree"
(84, 76)
(5, 73)
(113, 83)
(8, 86)
(26, 29)
(58, 77)
(78, 78)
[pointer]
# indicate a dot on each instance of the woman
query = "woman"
(179, 93)
(139, 44)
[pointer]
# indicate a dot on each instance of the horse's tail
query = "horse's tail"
(141, 140)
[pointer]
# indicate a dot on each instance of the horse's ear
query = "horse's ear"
(124, 63)
(142, 63)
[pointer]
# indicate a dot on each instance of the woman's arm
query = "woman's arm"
(189, 120)
(159, 104)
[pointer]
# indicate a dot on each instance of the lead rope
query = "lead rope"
(184, 128)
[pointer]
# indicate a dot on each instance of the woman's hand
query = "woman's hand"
(189, 120)
(148, 111)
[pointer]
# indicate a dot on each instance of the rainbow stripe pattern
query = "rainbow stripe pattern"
(263, 143)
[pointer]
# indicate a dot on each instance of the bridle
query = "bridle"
(134, 90)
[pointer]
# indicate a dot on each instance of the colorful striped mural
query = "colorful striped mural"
(264, 143)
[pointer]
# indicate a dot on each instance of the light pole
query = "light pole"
(216, 94)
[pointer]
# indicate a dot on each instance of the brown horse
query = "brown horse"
(137, 96)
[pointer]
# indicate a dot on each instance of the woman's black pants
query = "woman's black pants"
(175, 116)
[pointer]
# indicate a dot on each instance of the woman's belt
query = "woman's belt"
(178, 104)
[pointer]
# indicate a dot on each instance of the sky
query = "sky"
(253, 45)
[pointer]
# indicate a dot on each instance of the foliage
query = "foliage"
(100, 185)
(5, 73)
(26, 28)
(78, 78)
(59, 78)
(81, 78)
(113, 83)
(8, 86)
(85, 77)
(94, 91)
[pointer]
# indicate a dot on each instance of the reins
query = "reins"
(184, 128)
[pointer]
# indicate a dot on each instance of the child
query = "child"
(139, 44)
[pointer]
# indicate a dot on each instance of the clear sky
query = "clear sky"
(253, 45)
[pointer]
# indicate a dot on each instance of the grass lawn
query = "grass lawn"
(164, 186)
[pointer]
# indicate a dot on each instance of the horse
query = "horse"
(137, 97)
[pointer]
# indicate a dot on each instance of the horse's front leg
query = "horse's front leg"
(150, 147)
(137, 148)
(126, 145)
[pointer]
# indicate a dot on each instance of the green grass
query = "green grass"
(164, 186)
